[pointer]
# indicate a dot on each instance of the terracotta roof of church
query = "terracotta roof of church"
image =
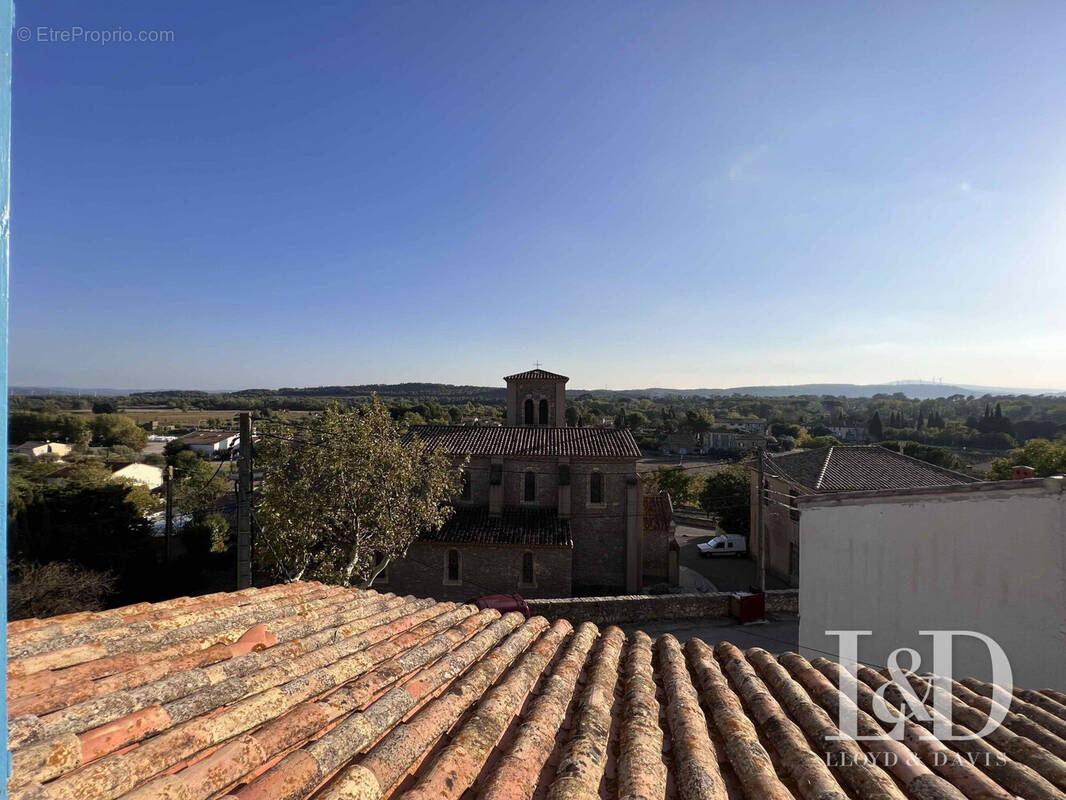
(525, 526)
(311, 691)
(528, 441)
(536, 374)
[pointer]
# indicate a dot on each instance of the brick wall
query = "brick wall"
(650, 608)
(599, 531)
(485, 569)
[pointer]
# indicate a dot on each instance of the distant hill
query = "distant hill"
(919, 391)
(65, 390)
(446, 392)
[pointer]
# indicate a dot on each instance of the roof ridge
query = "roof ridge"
(825, 466)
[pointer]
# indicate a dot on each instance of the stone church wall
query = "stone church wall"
(485, 569)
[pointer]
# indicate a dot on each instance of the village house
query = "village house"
(827, 469)
(146, 474)
(850, 434)
(209, 443)
(749, 424)
(36, 450)
(680, 443)
(546, 510)
(732, 441)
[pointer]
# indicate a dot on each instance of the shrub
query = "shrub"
(59, 587)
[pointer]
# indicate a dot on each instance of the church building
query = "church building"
(546, 510)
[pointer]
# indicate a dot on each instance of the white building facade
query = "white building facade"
(986, 557)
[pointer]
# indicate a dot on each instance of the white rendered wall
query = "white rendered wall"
(990, 561)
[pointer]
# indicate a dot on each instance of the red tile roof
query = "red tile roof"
(536, 375)
(523, 441)
(525, 526)
(860, 468)
(301, 691)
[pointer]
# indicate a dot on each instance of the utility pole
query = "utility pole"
(759, 525)
(244, 503)
(168, 478)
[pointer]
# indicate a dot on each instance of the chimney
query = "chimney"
(1020, 473)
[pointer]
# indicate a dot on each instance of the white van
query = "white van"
(724, 544)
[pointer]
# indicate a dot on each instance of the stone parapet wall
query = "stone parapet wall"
(649, 608)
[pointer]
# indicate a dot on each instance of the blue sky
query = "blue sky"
(634, 193)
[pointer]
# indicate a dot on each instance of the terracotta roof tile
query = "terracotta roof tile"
(536, 374)
(526, 526)
(524, 441)
(307, 691)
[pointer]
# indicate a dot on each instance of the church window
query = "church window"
(596, 488)
(452, 567)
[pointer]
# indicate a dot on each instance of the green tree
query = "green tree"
(814, 442)
(677, 482)
(727, 494)
(197, 483)
(96, 527)
(1047, 458)
(350, 493)
(43, 426)
(116, 429)
(45, 590)
(876, 430)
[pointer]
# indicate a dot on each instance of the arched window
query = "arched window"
(528, 412)
(529, 493)
(452, 567)
(596, 488)
(527, 568)
(543, 412)
(466, 486)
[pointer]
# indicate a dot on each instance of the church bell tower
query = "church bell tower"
(536, 399)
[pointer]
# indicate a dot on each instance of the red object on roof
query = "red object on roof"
(504, 603)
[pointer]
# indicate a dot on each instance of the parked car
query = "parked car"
(504, 603)
(724, 544)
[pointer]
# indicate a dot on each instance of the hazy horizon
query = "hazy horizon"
(677, 194)
(500, 384)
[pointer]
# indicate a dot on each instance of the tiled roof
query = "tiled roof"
(337, 694)
(536, 375)
(861, 468)
(522, 441)
(527, 526)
